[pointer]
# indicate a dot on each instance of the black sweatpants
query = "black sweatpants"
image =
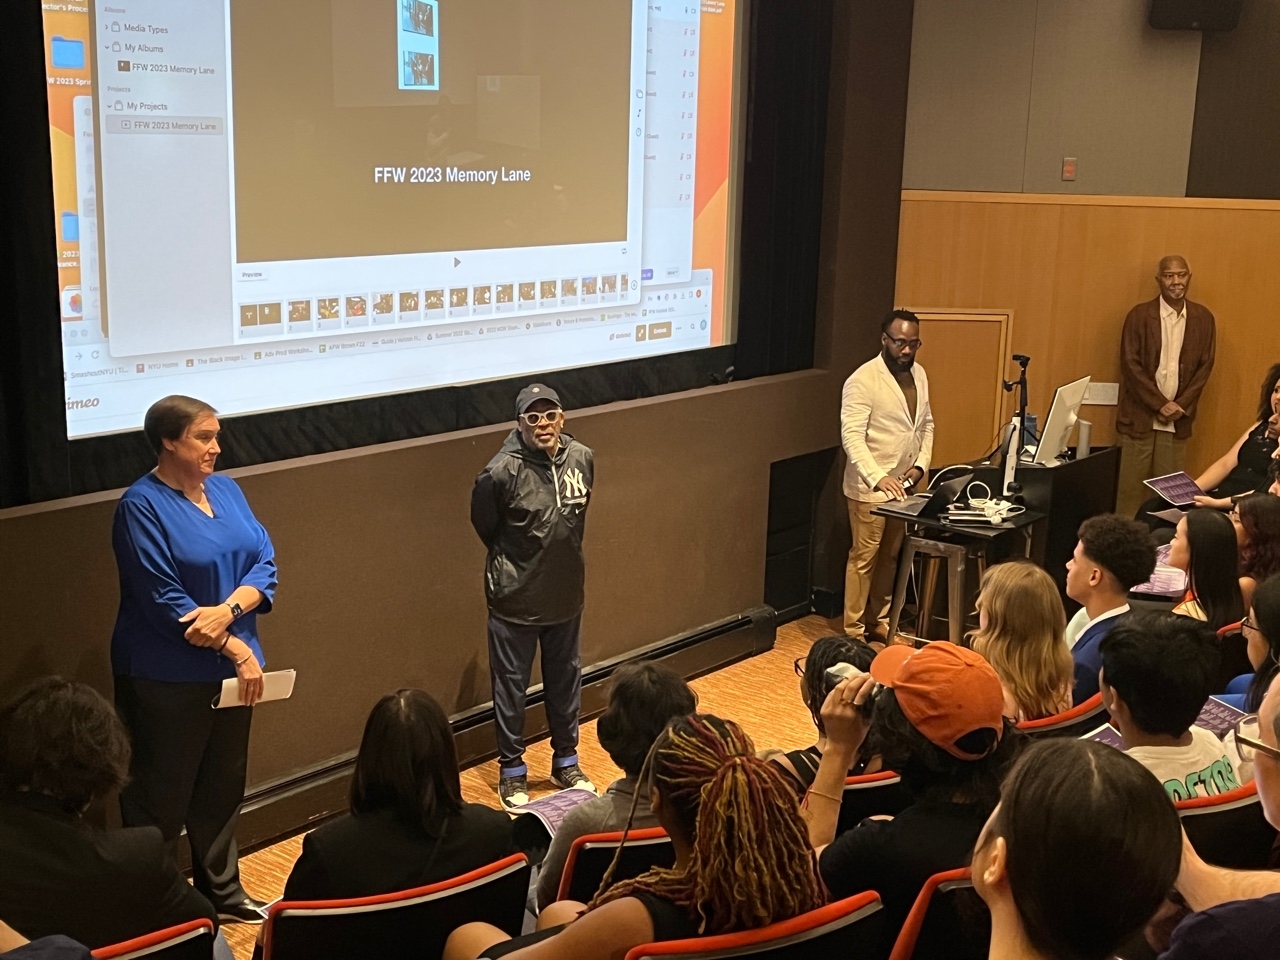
(512, 647)
(188, 770)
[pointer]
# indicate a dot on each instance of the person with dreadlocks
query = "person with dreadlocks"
(743, 858)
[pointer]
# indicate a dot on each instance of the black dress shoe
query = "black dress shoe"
(247, 910)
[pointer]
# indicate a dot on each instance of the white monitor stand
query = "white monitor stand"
(1011, 456)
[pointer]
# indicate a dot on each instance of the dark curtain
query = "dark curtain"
(781, 215)
(33, 437)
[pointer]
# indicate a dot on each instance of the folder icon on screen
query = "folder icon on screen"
(70, 228)
(66, 54)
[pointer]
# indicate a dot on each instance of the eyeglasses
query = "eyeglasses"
(535, 419)
(903, 344)
(1247, 742)
(1247, 624)
(799, 666)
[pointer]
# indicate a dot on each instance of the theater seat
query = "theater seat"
(869, 795)
(1076, 722)
(848, 929)
(590, 856)
(1229, 830)
(409, 925)
(948, 921)
(186, 941)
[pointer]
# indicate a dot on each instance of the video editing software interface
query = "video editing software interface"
(270, 205)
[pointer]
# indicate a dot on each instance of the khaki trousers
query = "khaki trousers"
(869, 576)
(1154, 455)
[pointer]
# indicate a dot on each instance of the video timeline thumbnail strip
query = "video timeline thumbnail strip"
(354, 310)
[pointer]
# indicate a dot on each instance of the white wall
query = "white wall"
(1002, 90)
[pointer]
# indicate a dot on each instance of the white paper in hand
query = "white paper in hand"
(276, 685)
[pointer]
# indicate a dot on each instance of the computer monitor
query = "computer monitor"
(1061, 421)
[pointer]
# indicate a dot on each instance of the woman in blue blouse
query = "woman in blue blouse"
(196, 570)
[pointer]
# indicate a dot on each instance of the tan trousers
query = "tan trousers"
(1154, 455)
(869, 577)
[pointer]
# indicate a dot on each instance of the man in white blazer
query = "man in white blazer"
(886, 427)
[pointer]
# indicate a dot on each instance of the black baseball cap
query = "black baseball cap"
(532, 394)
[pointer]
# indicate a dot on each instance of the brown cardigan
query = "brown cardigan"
(1140, 398)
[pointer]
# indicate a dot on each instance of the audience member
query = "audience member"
(1243, 469)
(14, 946)
(1157, 672)
(1204, 546)
(408, 824)
(742, 858)
(1257, 521)
(62, 747)
(644, 698)
(1238, 911)
(1079, 854)
(1166, 356)
(939, 723)
(1020, 624)
(1113, 556)
(802, 765)
(1261, 630)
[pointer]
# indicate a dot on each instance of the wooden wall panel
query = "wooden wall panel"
(1071, 267)
(963, 355)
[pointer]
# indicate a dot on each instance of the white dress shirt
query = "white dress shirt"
(1173, 326)
(879, 433)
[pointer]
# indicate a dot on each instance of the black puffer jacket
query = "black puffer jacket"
(530, 511)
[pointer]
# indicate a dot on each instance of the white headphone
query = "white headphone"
(994, 510)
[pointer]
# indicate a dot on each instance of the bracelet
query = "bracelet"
(243, 659)
(827, 796)
(225, 641)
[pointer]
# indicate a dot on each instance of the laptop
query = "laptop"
(930, 506)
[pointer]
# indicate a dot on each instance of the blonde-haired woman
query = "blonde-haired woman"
(1020, 626)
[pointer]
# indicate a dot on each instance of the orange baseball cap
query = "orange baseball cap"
(945, 691)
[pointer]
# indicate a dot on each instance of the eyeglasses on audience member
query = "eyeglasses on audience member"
(1248, 742)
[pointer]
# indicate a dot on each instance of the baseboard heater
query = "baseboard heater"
(287, 806)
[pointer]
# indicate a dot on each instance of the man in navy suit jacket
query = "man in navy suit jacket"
(1113, 556)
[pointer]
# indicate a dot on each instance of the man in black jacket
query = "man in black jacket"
(529, 506)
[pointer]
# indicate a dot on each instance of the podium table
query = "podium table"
(1058, 499)
(951, 543)
(1067, 494)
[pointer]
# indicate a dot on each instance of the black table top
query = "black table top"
(981, 531)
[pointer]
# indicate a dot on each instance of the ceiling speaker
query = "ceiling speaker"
(1206, 15)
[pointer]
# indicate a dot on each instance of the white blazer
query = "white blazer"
(877, 431)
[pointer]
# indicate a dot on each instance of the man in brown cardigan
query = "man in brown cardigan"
(1166, 356)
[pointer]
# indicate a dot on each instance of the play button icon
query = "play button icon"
(457, 262)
